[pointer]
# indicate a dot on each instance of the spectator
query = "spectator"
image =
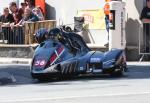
(36, 10)
(145, 17)
(107, 18)
(107, 12)
(23, 6)
(16, 12)
(30, 4)
(16, 19)
(28, 16)
(145, 14)
(6, 17)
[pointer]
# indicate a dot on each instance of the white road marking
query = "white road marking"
(70, 97)
(13, 78)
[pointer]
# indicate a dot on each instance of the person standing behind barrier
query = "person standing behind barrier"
(36, 10)
(28, 17)
(107, 16)
(107, 12)
(145, 18)
(23, 6)
(16, 11)
(30, 4)
(6, 17)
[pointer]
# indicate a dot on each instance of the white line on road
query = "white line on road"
(70, 97)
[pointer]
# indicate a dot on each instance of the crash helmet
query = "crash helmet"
(41, 35)
(55, 33)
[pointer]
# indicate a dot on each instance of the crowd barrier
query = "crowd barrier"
(23, 34)
(32, 27)
(144, 39)
(12, 36)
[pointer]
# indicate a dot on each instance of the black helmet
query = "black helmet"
(41, 35)
(55, 32)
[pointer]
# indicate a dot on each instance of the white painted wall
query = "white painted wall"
(67, 9)
(4, 4)
(133, 9)
(64, 11)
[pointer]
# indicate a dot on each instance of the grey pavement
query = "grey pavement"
(133, 88)
(15, 60)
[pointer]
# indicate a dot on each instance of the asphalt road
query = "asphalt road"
(18, 87)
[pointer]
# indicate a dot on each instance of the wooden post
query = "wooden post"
(31, 32)
(32, 27)
(26, 33)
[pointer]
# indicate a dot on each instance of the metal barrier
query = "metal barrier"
(1, 33)
(144, 40)
(23, 34)
(13, 36)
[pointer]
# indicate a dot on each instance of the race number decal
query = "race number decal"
(40, 63)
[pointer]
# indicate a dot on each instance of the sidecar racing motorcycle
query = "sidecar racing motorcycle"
(66, 54)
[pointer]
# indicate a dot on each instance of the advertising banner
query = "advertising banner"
(94, 18)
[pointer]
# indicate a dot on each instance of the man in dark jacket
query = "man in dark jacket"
(145, 18)
(145, 14)
(6, 17)
(16, 12)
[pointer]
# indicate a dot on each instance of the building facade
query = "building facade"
(64, 11)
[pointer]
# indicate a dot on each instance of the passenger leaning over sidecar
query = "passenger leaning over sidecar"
(41, 35)
(63, 37)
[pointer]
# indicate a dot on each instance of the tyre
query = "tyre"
(117, 74)
(119, 71)
(43, 79)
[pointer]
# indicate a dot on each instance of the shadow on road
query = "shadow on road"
(15, 74)
(20, 75)
(135, 72)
